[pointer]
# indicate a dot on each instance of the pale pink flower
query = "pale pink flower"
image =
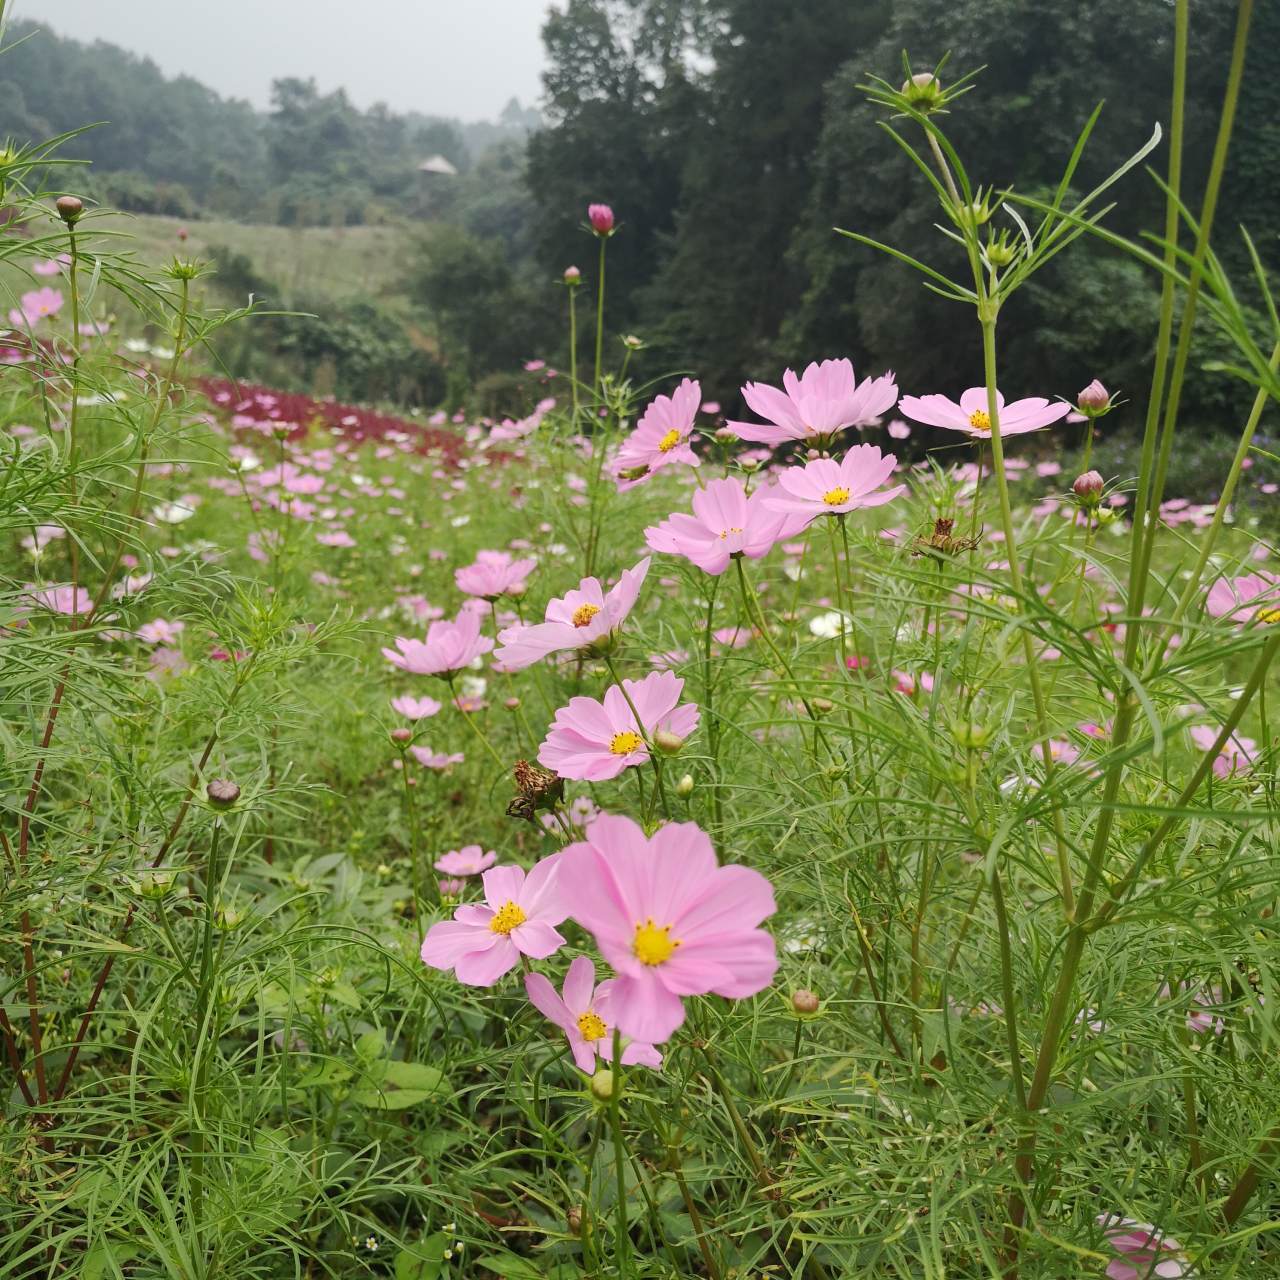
(825, 399)
(582, 1012)
(429, 759)
(585, 618)
(62, 599)
(726, 523)
(594, 741)
(827, 487)
(415, 708)
(493, 574)
(470, 860)
(159, 631)
(1145, 1252)
(971, 415)
(1248, 597)
(1237, 754)
(668, 919)
(35, 305)
(448, 648)
(661, 437)
(485, 940)
(510, 429)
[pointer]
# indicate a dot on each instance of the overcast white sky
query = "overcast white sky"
(462, 58)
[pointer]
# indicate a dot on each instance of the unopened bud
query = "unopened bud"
(1088, 488)
(685, 786)
(69, 209)
(401, 735)
(602, 1085)
(632, 343)
(222, 793)
(970, 734)
(573, 1220)
(228, 917)
(572, 276)
(512, 704)
(156, 884)
(667, 742)
(1094, 399)
(924, 92)
(823, 706)
(601, 218)
(805, 1001)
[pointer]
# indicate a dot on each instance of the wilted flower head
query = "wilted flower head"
(825, 399)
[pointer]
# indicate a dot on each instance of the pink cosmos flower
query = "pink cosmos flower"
(1242, 599)
(971, 416)
(429, 759)
(826, 487)
(670, 921)
(35, 305)
(825, 399)
(661, 437)
(160, 631)
(470, 860)
(1237, 754)
(594, 741)
(493, 574)
(510, 429)
(581, 1011)
(62, 599)
(415, 708)
(601, 218)
(518, 917)
(581, 619)
(725, 523)
(449, 647)
(1145, 1252)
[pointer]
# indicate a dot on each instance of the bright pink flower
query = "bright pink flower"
(415, 708)
(1145, 1252)
(582, 1012)
(594, 741)
(971, 416)
(661, 437)
(429, 759)
(670, 921)
(826, 487)
(518, 917)
(825, 399)
(470, 860)
(601, 218)
(725, 523)
(1237, 754)
(581, 619)
(449, 647)
(493, 574)
(1252, 595)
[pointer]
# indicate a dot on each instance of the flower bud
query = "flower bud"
(1094, 399)
(603, 1085)
(69, 209)
(924, 92)
(685, 786)
(1088, 488)
(667, 742)
(228, 917)
(601, 218)
(573, 1220)
(222, 793)
(972, 735)
(157, 883)
(401, 736)
(572, 276)
(805, 1002)
(632, 342)
(512, 704)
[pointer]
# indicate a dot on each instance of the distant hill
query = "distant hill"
(174, 146)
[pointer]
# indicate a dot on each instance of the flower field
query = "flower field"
(831, 834)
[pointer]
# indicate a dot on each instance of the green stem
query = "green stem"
(622, 1241)
(573, 350)
(595, 382)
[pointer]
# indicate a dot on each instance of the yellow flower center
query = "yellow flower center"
(508, 916)
(591, 1026)
(583, 614)
(652, 944)
(980, 420)
(624, 743)
(724, 533)
(1269, 613)
(834, 497)
(669, 441)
